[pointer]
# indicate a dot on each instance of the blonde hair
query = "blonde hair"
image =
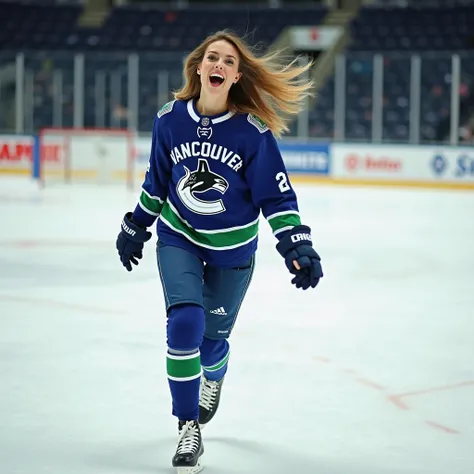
(267, 89)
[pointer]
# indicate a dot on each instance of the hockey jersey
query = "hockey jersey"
(209, 178)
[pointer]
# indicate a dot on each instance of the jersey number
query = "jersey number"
(282, 182)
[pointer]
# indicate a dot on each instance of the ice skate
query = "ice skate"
(209, 399)
(190, 448)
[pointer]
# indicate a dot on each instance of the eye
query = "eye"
(230, 62)
(212, 57)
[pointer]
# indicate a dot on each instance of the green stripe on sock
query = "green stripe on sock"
(219, 365)
(183, 368)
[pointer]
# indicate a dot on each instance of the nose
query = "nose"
(219, 65)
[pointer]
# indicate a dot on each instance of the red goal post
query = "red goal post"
(85, 155)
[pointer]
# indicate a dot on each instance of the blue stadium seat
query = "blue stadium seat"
(48, 34)
(397, 34)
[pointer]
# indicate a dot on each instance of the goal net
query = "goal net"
(85, 156)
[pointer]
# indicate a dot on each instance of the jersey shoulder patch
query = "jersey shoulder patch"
(259, 124)
(166, 109)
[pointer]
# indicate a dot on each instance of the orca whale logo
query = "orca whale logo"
(200, 181)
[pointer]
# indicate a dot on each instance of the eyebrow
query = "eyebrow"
(227, 55)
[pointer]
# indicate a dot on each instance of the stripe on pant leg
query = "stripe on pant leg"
(167, 300)
(244, 292)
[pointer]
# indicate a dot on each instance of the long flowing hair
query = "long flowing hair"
(268, 88)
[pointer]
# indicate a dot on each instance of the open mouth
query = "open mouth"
(216, 79)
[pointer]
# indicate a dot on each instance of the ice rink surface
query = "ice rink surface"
(371, 373)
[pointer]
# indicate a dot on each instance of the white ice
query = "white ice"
(371, 373)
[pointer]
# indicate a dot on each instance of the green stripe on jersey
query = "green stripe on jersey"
(283, 220)
(219, 239)
(151, 205)
(182, 368)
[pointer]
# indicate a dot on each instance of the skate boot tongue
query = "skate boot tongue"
(210, 393)
(182, 424)
(189, 449)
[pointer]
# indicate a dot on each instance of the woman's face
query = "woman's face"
(219, 69)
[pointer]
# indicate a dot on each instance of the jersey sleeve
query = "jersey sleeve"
(270, 187)
(155, 186)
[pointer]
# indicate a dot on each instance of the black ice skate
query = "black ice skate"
(190, 448)
(209, 399)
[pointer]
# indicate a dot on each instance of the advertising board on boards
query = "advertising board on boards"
(403, 164)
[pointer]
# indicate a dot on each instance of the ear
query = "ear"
(198, 72)
(237, 78)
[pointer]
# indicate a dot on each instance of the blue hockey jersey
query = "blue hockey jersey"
(209, 178)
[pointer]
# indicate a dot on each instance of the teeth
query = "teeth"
(215, 74)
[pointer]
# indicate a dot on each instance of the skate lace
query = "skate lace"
(188, 441)
(209, 390)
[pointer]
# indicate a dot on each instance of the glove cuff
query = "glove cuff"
(298, 235)
(133, 231)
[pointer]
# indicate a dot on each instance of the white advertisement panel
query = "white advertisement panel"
(65, 154)
(403, 164)
(16, 154)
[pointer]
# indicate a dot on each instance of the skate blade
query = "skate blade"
(191, 469)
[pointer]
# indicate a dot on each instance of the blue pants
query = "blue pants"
(220, 291)
(202, 303)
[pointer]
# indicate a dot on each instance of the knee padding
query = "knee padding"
(186, 325)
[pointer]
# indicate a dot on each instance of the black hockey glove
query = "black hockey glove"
(130, 242)
(297, 246)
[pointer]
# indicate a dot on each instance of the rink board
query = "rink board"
(311, 162)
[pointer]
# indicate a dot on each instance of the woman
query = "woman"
(214, 166)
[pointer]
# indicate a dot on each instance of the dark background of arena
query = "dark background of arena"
(402, 64)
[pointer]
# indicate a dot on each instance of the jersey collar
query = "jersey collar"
(215, 119)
